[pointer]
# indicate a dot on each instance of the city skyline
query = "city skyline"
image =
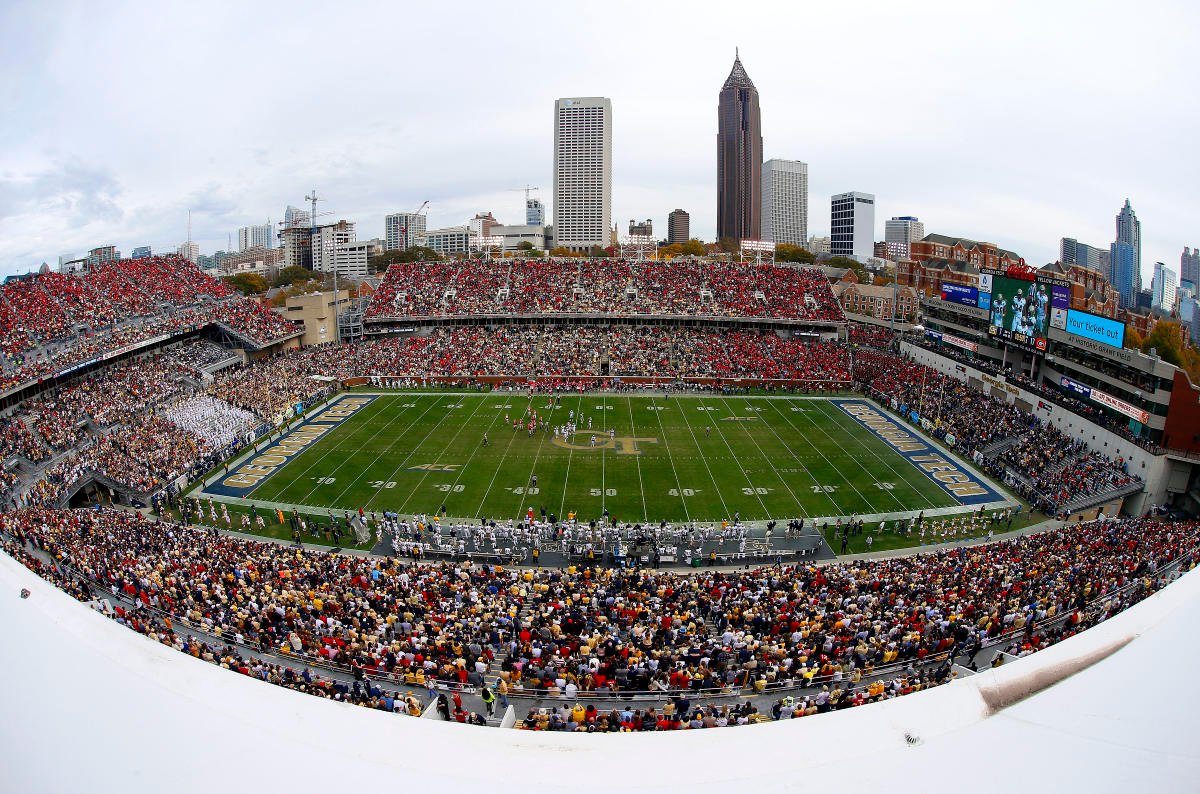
(70, 187)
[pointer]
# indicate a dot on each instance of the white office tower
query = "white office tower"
(254, 237)
(852, 225)
(582, 172)
(535, 212)
(785, 202)
(899, 234)
(190, 251)
(401, 229)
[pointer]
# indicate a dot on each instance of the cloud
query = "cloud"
(1019, 124)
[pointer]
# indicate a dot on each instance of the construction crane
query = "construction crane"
(527, 189)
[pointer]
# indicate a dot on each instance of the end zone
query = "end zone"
(254, 469)
(964, 484)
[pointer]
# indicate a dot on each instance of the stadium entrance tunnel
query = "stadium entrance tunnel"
(95, 489)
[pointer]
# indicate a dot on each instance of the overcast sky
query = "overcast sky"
(1018, 124)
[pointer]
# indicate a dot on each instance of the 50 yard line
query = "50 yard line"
(637, 460)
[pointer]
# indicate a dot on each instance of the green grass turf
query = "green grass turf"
(710, 456)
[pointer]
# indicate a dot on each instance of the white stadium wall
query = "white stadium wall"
(93, 707)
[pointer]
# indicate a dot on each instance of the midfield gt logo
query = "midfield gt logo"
(622, 445)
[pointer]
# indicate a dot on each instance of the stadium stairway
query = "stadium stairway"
(1103, 497)
(997, 448)
(497, 660)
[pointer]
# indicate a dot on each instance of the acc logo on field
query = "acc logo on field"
(434, 467)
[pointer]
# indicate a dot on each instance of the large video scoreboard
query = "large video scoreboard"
(1022, 303)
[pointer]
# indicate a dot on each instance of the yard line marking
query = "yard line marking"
(463, 468)
(767, 457)
(342, 442)
(867, 503)
(843, 420)
(407, 457)
(500, 465)
(462, 426)
(704, 458)
(800, 461)
(670, 457)
(533, 468)
(562, 508)
(734, 456)
(641, 485)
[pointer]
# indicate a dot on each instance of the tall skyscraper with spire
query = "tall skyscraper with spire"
(1129, 231)
(739, 157)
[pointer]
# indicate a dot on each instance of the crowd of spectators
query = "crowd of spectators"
(839, 635)
(871, 335)
(969, 417)
(1041, 462)
(1055, 470)
(602, 286)
(215, 421)
(51, 322)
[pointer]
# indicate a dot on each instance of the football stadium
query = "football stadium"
(510, 506)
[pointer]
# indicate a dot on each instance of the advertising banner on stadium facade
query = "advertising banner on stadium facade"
(951, 339)
(956, 293)
(1107, 400)
(1098, 329)
(963, 484)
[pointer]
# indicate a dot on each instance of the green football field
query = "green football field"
(700, 458)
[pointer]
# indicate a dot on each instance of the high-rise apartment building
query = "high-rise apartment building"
(582, 172)
(254, 237)
(739, 157)
(784, 202)
(190, 251)
(1123, 263)
(1129, 231)
(899, 233)
(852, 225)
(679, 227)
(325, 240)
(1189, 269)
(535, 212)
(294, 216)
(401, 229)
(1163, 288)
